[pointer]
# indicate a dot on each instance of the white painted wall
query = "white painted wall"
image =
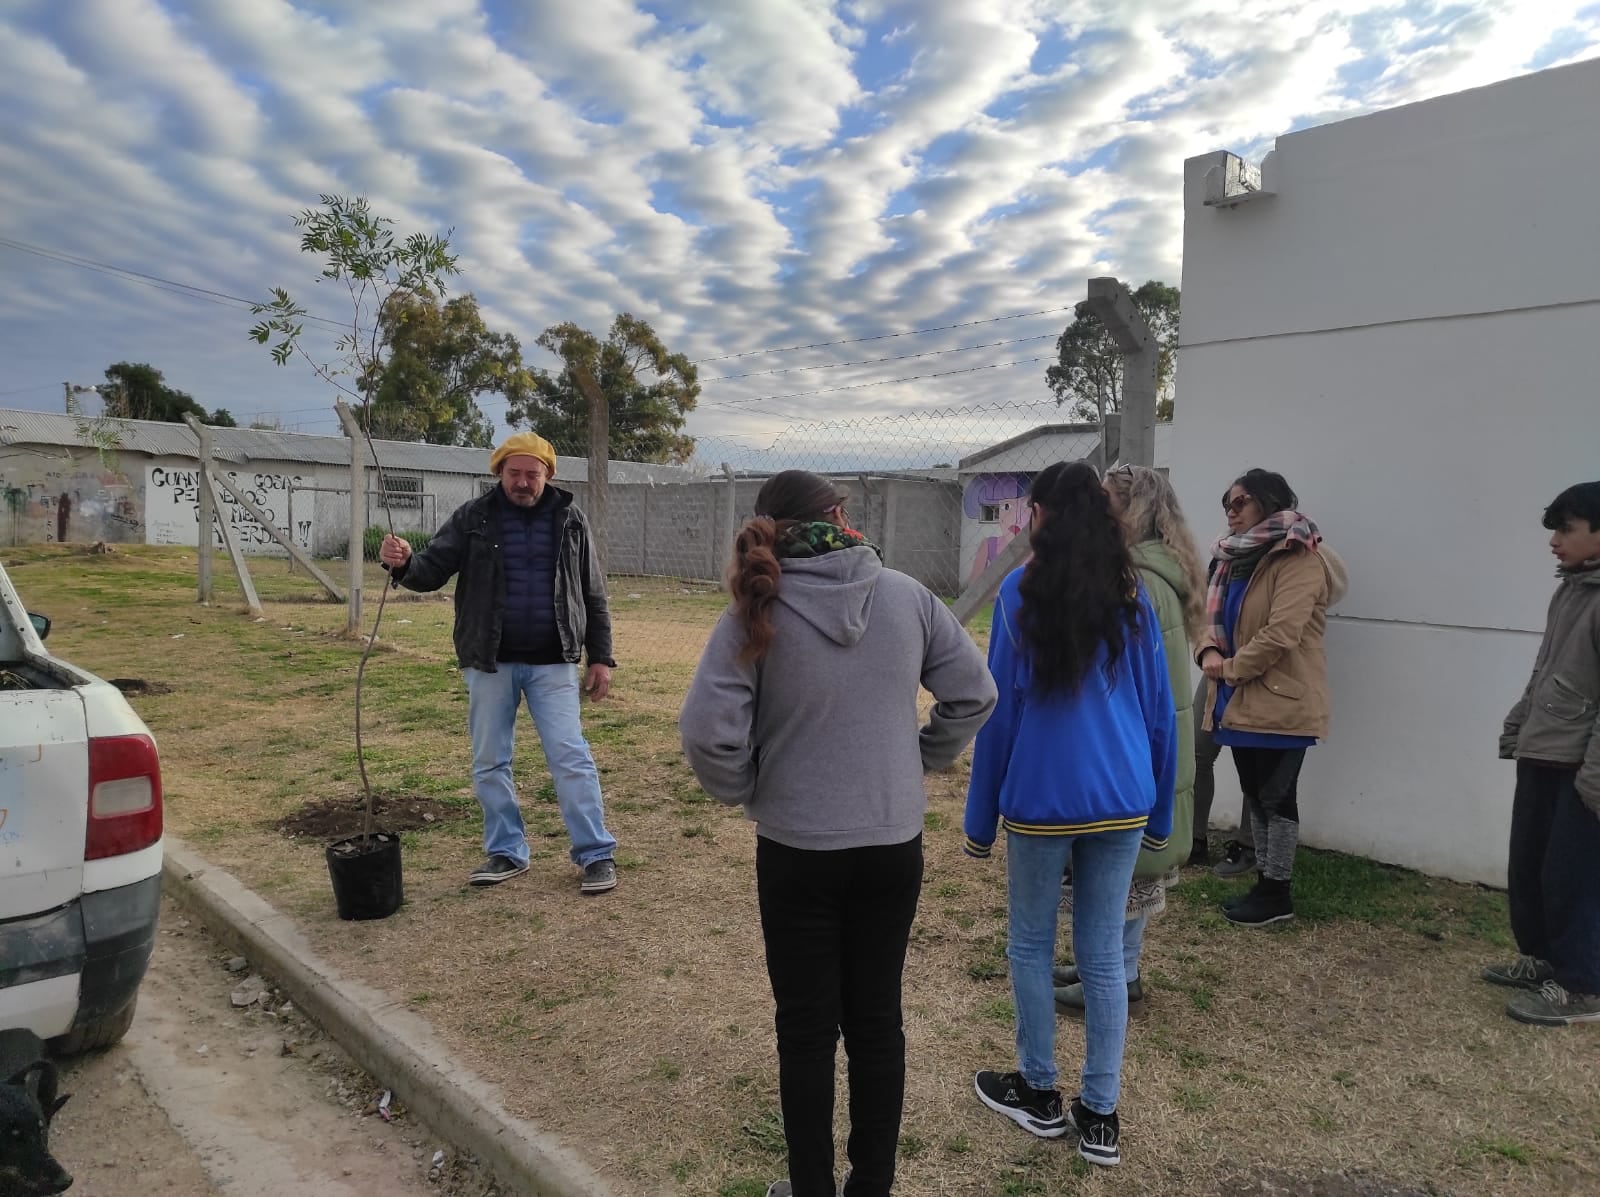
(1407, 331)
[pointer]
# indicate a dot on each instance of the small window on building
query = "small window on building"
(401, 491)
(989, 513)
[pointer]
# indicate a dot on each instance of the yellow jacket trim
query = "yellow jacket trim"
(1075, 828)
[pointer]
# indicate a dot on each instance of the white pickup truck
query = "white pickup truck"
(80, 843)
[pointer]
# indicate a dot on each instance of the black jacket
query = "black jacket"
(468, 545)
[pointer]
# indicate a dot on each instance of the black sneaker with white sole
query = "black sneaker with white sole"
(1268, 903)
(1099, 1135)
(599, 877)
(1037, 1111)
(494, 870)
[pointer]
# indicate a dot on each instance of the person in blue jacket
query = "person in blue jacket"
(1078, 763)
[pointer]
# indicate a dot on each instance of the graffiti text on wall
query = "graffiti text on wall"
(172, 509)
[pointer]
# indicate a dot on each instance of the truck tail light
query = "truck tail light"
(124, 796)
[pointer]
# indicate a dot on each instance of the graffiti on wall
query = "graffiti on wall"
(172, 509)
(54, 499)
(998, 504)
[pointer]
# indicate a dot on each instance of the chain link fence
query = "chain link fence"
(940, 492)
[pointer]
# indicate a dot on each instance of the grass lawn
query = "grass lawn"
(638, 1025)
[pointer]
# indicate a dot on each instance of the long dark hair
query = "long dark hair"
(1080, 590)
(786, 499)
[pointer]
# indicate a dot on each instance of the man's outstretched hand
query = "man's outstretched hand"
(394, 552)
(597, 682)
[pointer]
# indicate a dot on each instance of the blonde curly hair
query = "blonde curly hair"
(1150, 511)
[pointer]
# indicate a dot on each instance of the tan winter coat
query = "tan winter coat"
(1280, 671)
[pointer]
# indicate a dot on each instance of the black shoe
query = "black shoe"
(1269, 902)
(1236, 861)
(1240, 898)
(1199, 856)
(599, 877)
(1037, 1111)
(495, 870)
(1099, 1135)
(1065, 974)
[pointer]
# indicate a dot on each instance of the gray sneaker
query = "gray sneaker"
(1525, 972)
(494, 870)
(1070, 1000)
(1553, 1006)
(780, 1188)
(1238, 861)
(599, 877)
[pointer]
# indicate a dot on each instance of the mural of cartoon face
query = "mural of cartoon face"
(1005, 496)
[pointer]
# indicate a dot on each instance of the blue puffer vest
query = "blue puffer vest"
(529, 541)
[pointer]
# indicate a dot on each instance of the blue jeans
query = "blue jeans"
(1102, 870)
(551, 692)
(1133, 943)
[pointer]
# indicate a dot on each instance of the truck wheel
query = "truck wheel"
(101, 1033)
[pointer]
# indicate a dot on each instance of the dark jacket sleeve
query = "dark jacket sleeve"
(597, 629)
(440, 561)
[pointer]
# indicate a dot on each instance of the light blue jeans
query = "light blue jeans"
(1133, 943)
(1102, 870)
(551, 692)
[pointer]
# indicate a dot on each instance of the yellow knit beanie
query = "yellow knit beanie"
(524, 444)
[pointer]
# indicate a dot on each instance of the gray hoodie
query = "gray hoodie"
(821, 741)
(1557, 719)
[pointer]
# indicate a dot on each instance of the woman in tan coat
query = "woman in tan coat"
(1262, 649)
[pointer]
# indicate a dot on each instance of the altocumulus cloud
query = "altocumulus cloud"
(743, 173)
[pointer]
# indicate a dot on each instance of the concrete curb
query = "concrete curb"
(384, 1037)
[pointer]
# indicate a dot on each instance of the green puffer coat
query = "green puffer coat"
(1167, 587)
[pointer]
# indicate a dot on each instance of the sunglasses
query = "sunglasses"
(1237, 506)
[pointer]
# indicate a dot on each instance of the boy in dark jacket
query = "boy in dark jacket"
(1553, 881)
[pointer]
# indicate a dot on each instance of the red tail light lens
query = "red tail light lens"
(124, 796)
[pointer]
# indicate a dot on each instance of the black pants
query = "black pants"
(836, 926)
(1270, 780)
(1206, 752)
(1553, 875)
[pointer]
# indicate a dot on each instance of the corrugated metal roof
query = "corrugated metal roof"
(254, 444)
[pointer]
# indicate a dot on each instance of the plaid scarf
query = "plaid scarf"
(1238, 556)
(813, 540)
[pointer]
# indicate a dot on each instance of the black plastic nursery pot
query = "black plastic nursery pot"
(366, 876)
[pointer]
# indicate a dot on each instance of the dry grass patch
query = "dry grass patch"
(1352, 1055)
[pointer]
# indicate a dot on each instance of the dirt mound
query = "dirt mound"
(137, 685)
(334, 818)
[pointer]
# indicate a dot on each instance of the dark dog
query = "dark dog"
(28, 1102)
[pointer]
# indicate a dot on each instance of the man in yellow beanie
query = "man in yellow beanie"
(530, 604)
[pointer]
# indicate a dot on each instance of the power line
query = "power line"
(915, 332)
(884, 382)
(221, 298)
(877, 360)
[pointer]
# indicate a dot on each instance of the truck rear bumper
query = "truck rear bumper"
(79, 963)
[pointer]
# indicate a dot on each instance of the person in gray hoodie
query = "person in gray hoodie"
(805, 710)
(1553, 733)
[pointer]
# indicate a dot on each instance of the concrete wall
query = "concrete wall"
(672, 530)
(61, 495)
(1406, 331)
(682, 530)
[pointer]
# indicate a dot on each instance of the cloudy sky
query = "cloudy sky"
(745, 174)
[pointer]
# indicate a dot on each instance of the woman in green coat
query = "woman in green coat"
(1164, 553)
